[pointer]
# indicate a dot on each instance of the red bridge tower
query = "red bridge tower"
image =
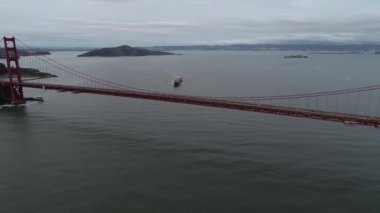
(14, 71)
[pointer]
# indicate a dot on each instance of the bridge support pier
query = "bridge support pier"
(5, 95)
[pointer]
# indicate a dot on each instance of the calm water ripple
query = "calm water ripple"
(85, 153)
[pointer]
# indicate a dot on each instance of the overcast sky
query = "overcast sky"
(171, 22)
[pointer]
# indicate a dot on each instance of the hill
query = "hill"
(124, 50)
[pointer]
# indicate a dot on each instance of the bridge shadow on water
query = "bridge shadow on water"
(16, 115)
(13, 111)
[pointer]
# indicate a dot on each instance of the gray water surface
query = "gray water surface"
(88, 153)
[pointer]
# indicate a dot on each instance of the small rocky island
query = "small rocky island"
(27, 72)
(124, 50)
(296, 56)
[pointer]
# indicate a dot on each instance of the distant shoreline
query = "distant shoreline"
(27, 72)
(328, 48)
(324, 48)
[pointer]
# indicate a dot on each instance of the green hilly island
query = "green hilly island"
(124, 50)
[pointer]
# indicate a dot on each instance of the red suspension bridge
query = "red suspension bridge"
(355, 106)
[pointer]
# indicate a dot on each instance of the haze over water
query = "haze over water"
(88, 153)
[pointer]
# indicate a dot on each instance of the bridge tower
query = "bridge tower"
(14, 71)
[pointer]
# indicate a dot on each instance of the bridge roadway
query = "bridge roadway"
(349, 119)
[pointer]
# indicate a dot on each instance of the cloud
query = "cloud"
(114, 28)
(110, 1)
(151, 22)
(184, 2)
(364, 29)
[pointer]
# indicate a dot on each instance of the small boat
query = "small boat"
(349, 123)
(177, 81)
(37, 99)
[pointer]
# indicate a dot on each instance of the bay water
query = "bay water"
(90, 153)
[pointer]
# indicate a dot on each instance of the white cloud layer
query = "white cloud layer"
(164, 22)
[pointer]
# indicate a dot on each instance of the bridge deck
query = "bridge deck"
(193, 100)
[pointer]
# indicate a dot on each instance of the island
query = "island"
(296, 56)
(124, 50)
(27, 72)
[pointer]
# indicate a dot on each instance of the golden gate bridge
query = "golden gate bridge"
(353, 106)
